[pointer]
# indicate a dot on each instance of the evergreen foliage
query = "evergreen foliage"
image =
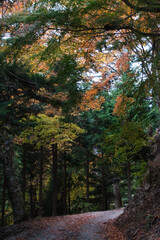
(59, 127)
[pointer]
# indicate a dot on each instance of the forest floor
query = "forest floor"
(85, 226)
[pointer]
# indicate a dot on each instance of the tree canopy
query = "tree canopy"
(80, 101)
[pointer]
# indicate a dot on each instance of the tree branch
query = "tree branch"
(23, 80)
(155, 9)
(115, 26)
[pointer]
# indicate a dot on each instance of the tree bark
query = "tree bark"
(3, 198)
(156, 68)
(33, 200)
(117, 195)
(104, 202)
(24, 173)
(69, 192)
(54, 178)
(40, 182)
(129, 182)
(65, 189)
(87, 179)
(14, 190)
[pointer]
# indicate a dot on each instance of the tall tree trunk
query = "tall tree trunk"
(69, 192)
(24, 173)
(87, 179)
(40, 182)
(54, 177)
(156, 68)
(117, 194)
(3, 197)
(156, 76)
(129, 181)
(104, 202)
(14, 191)
(33, 200)
(65, 188)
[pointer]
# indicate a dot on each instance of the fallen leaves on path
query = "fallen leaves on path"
(86, 226)
(112, 232)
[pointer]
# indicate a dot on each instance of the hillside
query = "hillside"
(141, 219)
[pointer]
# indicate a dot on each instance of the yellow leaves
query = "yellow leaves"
(50, 130)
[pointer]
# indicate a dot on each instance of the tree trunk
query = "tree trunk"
(87, 179)
(24, 173)
(3, 197)
(117, 195)
(129, 182)
(40, 182)
(14, 191)
(65, 189)
(157, 145)
(54, 177)
(33, 200)
(156, 68)
(69, 197)
(104, 202)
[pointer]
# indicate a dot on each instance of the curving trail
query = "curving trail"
(85, 226)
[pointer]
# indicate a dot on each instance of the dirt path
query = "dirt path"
(86, 226)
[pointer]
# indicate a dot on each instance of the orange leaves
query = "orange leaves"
(91, 99)
(10, 7)
(61, 96)
(122, 64)
(107, 81)
(94, 104)
(121, 105)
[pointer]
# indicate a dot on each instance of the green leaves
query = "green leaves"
(130, 140)
(68, 76)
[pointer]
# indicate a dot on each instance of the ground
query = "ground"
(85, 226)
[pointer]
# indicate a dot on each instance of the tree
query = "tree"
(52, 133)
(66, 37)
(12, 111)
(108, 25)
(23, 93)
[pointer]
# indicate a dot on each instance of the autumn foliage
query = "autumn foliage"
(120, 108)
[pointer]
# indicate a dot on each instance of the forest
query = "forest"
(79, 107)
